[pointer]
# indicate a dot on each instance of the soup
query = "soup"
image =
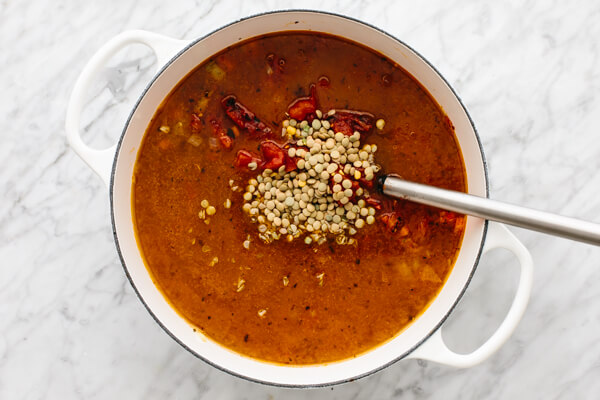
(255, 201)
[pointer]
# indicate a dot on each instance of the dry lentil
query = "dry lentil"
(302, 201)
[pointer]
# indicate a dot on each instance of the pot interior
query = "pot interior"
(176, 326)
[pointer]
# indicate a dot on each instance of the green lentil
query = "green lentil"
(301, 201)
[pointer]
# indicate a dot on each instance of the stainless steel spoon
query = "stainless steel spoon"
(463, 203)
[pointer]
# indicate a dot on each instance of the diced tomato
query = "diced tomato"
(196, 123)
(221, 134)
(392, 221)
(342, 126)
(244, 157)
(273, 155)
(347, 121)
(226, 142)
(243, 117)
(290, 163)
(304, 107)
(301, 109)
(373, 202)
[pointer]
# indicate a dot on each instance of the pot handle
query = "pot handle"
(435, 349)
(100, 161)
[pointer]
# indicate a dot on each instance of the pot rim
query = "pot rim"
(174, 336)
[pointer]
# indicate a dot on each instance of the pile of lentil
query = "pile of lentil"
(318, 200)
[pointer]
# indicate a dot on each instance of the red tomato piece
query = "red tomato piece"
(243, 117)
(373, 202)
(290, 163)
(303, 107)
(221, 134)
(226, 142)
(196, 123)
(273, 155)
(244, 157)
(347, 121)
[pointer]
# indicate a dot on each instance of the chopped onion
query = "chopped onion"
(212, 143)
(195, 140)
(215, 71)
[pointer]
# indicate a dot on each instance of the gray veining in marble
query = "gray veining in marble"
(70, 324)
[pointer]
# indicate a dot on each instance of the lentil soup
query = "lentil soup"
(255, 206)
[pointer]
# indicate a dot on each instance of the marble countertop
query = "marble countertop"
(70, 323)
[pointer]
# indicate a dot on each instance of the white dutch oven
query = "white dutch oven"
(422, 339)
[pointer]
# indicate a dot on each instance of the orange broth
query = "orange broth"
(298, 303)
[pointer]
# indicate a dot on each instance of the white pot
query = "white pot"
(115, 165)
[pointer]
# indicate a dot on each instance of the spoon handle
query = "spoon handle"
(482, 207)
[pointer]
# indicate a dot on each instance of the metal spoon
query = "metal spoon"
(463, 203)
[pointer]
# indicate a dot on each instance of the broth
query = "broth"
(292, 302)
